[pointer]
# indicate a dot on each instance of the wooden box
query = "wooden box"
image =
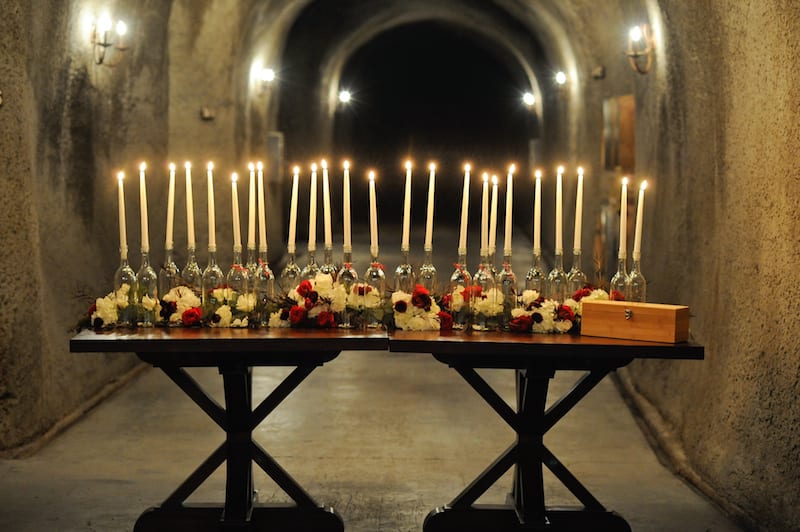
(635, 321)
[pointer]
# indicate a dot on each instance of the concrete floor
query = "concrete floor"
(384, 438)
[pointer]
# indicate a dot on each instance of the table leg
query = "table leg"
(239, 512)
(525, 508)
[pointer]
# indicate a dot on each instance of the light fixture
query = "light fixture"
(528, 99)
(266, 76)
(101, 39)
(640, 48)
(345, 96)
(561, 78)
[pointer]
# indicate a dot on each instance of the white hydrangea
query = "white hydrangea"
(121, 296)
(184, 298)
(106, 309)
(323, 283)
(490, 303)
(415, 318)
(275, 321)
(338, 297)
(225, 317)
(529, 296)
(597, 294)
(548, 313)
(246, 302)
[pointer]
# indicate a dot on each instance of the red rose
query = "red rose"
(296, 314)
(445, 321)
(191, 316)
(400, 306)
(304, 288)
(363, 290)
(421, 298)
(325, 319)
(565, 313)
(473, 292)
(537, 317)
(447, 300)
(581, 293)
(521, 324)
(309, 304)
(616, 295)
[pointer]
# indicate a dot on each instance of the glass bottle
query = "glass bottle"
(557, 279)
(239, 291)
(374, 291)
(576, 279)
(459, 290)
(311, 269)
(327, 263)
(212, 279)
(404, 278)
(147, 291)
(484, 291)
(507, 281)
(637, 284)
(348, 278)
(252, 262)
(427, 273)
(125, 281)
(619, 283)
(169, 276)
(264, 287)
(191, 275)
(535, 279)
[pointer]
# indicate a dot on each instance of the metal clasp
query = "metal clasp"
(628, 314)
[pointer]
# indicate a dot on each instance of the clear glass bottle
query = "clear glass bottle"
(212, 278)
(264, 288)
(238, 281)
(507, 281)
(576, 279)
(427, 273)
(191, 275)
(291, 274)
(459, 290)
(147, 291)
(484, 289)
(125, 280)
(536, 279)
(404, 278)
(311, 269)
(375, 291)
(557, 279)
(637, 284)
(252, 262)
(347, 277)
(327, 264)
(619, 283)
(169, 276)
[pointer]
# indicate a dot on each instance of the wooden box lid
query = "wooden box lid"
(635, 321)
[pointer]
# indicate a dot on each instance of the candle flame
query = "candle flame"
(580, 170)
(313, 167)
(120, 175)
(296, 169)
(432, 167)
(560, 170)
(537, 174)
(187, 165)
(643, 186)
(512, 168)
(324, 164)
(408, 165)
(143, 166)
(171, 167)
(251, 167)
(259, 166)
(371, 175)
(346, 164)
(467, 167)
(625, 181)
(234, 177)
(210, 166)
(494, 180)
(485, 177)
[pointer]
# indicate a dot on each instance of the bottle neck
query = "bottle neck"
(576, 259)
(621, 265)
(558, 261)
(237, 256)
(145, 259)
(636, 265)
(212, 258)
(428, 256)
(347, 259)
(252, 257)
(168, 256)
(405, 256)
(462, 259)
(507, 260)
(328, 255)
(190, 255)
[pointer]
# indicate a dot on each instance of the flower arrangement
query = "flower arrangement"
(418, 311)
(181, 306)
(107, 311)
(311, 304)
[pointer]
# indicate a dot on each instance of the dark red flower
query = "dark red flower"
(616, 295)
(325, 319)
(565, 313)
(363, 290)
(581, 293)
(168, 308)
(400, 306)
(309, 304)
(522, 323)
(297, 314)
(473, 292)
(304, 288)
(537, 317)
(447, 300)
(421, 298)
(445, 321)
(191, 316)
(313, 296)
(98, 323)
(284, 314)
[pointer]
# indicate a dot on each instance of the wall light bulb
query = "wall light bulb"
(345, 96)
(122, 28)
(528, 99)
(267, 74)
(635, 33)
(104, 24)
(561, 78)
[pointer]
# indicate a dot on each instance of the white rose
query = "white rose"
(401, 320)
(225, 316)
(399, 295)
(529, 296)
(490, 304)
(519, 311)
(563, 326)
(275, 321)
(323, 283)
(372, 299)
(246, 302)
(338, 297)
(106, 309)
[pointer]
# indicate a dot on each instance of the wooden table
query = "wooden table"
(535, 359)
(235, 352)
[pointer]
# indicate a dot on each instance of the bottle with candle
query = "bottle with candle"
(291, 274)
(619, 283)
(264, 287)
(459, 291)
(252, 261)
(211, 280)
(373, 292)
(637, 284)
(191, 275)
(147, 291)
(348, 278)
(239, 294)
(557, 279)
(327, 265)
(427, 273)
(576, 279)
(535, 279)
(169, 276)
(486, 300)
(404, 278)
(311, 269)
(125, 285)
(507, 283)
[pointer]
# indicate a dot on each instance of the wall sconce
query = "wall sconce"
(101, 40)
(640, 45)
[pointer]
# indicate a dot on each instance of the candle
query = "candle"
(576, 244)
(143, 208)
(212, 231)
(237, 235)
(312, 211)
(404, 246)
(493, 217)
(373, 217)
(189, 207)
(485, 215)
(123, 234)
(429, 221)
(637, 237)
(251, 208)
(559, 244)
(509, 209)
(623, 220)
(537, 214)
(462, 240)
(290, 247)
(348, 244)
(170, 207)
(326, 206)
(262, 216)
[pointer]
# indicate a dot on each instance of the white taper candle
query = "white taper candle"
(373, 217)
(559, 215)
(623, 220)
(493, 217)
(637, 236)
(123, 233)
(347, 246)
(509, 209)
(291, 245)
(429, 220)
(190, 242)
(537, 214)
(576, 243)
(312, 211)
(405, 245)
(462, 237)
(168, 243)
(251, 208)
(485, 215)
(143, 209)
(212, 223)
(262, 210)
(237, 230)
(326, 206)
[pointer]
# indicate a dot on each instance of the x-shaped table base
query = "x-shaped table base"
(525, 507)
(238, 419)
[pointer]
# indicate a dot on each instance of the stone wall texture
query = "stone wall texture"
(717, 135)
